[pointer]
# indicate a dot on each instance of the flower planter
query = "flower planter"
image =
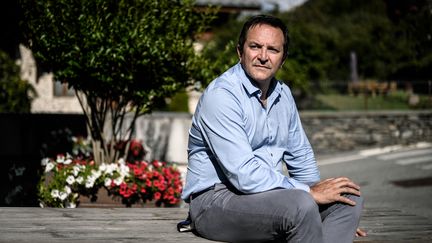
(69, 182)
(104, 200)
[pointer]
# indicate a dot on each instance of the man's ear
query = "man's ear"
(283, 62)
(239, 52)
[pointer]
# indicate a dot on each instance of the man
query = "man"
(245, 127)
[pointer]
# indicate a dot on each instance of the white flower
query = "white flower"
(89, 183)
(80, 180)
(70, 205)
(67, 190)
(102, 167)
(95, 174)
(70, 179)
(107, 182)
(60, 158)
(55, 193)
(49, 167)
(110, 169)
(121, 161)
(62, 195)
(45, 161)
(118, 181)
(91, 177)
(68, 159)
(124, 170)
(76, 170)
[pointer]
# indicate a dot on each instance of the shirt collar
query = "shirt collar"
(250, 87)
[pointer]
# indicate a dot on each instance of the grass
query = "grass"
(397, 101)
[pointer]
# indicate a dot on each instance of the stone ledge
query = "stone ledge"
(159, 225)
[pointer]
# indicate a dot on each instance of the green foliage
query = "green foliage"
(115, 49)
(15, 94)
(392, 41)
(119, 55)
(220, 52)
(177, 103)
(217, 58)
(323, 34)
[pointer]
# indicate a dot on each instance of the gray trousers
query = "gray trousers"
(280, 215)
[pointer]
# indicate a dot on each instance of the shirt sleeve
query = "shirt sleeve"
(300, 159)
(222, 125)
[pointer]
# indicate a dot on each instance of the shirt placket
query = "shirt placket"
(271, 128)
(269, 132)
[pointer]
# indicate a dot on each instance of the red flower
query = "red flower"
(156, 174)
(155, 181)
(136, 148)
(148, 183)
(123, 188)
(170, 191)
(142, 176)
(156, 163)
(174, 201)
(134, 187)
(161, 187)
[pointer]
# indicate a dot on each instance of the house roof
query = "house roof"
(250, 4)
(233, 5)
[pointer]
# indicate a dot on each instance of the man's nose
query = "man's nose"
(263, 57)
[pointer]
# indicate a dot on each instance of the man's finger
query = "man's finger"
(347, 190)
(346, 200)
(347, 183)
(360, 233)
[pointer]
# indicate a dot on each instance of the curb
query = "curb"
(362, 154)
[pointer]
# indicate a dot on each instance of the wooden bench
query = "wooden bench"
(159, 225)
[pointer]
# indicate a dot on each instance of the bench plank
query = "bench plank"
(159, 225)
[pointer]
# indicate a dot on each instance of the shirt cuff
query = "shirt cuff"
(294, 184)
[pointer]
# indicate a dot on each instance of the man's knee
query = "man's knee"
(306, 206)
(306, 226)
(357, 209)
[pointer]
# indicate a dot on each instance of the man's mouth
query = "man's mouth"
(261, 66)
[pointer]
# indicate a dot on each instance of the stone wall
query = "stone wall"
(331, 132)
(165, 137)
(165, 134)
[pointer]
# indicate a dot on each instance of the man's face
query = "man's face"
(262, 53)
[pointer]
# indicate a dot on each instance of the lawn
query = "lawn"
(398, 101)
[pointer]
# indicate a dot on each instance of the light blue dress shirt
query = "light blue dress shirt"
(235, 138)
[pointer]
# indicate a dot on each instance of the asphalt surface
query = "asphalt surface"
(398, 177)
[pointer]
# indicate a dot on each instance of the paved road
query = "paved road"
(394, 177)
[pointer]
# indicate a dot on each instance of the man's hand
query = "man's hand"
(360, 233)
(331, 190)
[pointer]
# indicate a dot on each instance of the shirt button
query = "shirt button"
(271, 154)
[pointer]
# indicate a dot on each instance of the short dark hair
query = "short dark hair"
(263, 19)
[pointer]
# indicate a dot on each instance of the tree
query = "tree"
(15, 94)
(391, 39)
(118, 55)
